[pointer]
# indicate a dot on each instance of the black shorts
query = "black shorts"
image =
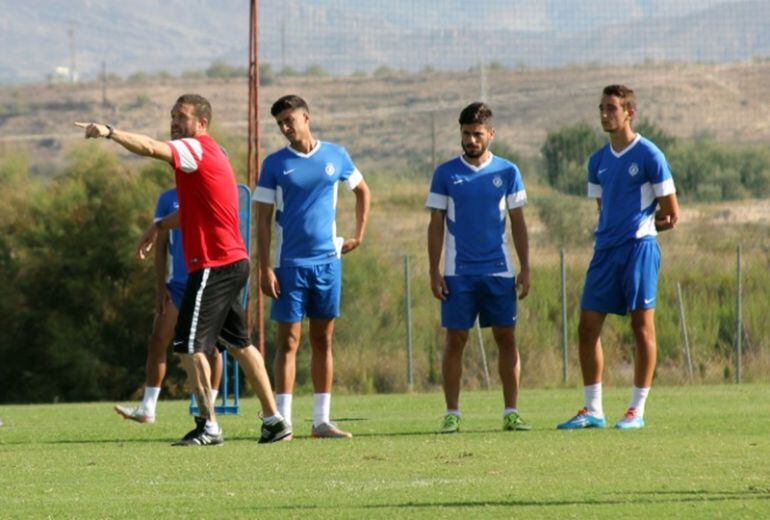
(211, 311)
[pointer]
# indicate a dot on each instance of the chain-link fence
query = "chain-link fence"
(388, 79)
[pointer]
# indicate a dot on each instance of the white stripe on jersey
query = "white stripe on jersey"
(354, 179)
(265, 195)
(664, 188)
(647, 227)
(450, 210)
(517, 200)
(450, 254)
(278, 244)
(279, 198)
(338, 241)
(436, 201)
(196, 311)
(190, 153)
(647, 197)
(594, 190)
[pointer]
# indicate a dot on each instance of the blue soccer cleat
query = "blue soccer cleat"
(582, 420)
(630, 421)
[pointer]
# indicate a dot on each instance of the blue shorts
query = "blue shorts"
(312, 291)
(176, 290)
(623, 278)
(490, 298)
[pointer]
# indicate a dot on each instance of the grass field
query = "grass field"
(704, 453)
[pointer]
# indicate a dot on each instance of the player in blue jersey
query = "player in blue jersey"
(299, 183)
(171, 280)
(470, 198)
(632, 184)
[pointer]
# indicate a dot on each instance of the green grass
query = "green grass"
(704, 453)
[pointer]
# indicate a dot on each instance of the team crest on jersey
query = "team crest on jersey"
(330, 169)
(497, 181)
(633, 169)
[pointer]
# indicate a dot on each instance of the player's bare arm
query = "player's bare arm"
(162, 296)
(135, 143)
(435, 245)
(521, 244)
(667, 215)
(363, 201)
(268, 282)
(148, 238)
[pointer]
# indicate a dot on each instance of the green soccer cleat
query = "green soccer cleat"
(513, 422)
(451, 424)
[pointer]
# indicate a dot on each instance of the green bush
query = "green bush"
(565, 153)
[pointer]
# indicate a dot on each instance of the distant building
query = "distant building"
(62, 74)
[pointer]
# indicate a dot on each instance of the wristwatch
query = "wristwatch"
(110, 131)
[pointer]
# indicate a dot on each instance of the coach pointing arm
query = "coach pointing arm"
(135, 143)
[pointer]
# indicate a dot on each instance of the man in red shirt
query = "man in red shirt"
(216, 259)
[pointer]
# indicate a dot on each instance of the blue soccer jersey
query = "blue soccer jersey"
(627, 184)
(177, 270)
(303, 188)
(476, 201)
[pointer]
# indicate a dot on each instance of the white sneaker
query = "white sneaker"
(137, 414)
(329, 430)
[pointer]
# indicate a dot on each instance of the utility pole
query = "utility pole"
(283, 44)
(483, 80)
(253, 167)
(105, 104)
(73, 62)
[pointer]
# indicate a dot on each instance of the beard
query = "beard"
(474, 153)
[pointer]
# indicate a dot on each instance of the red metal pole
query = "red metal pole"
(253, 165)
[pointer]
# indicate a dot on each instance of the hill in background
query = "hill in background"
(343, 36)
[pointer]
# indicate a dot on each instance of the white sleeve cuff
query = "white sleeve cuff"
(594, 190)
(354, 179)
(664, 188)
(266, 195)
(436, 201)
(517, 200)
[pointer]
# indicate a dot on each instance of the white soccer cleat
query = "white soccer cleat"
(137, 414)
(329, 430)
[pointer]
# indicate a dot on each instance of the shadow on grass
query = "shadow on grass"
(255, 437)
(648, 498)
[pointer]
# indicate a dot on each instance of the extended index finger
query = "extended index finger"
(81, 124)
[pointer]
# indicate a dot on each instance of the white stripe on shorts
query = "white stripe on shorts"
(196, 311)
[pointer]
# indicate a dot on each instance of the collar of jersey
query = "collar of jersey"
(627, 148)
(306, 155)
(478, 168)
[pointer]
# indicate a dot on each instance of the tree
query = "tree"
(566, 153)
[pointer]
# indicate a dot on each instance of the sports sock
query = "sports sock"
(272, 419)
(150, 399)
(453, 412)
(638, 399)
(593, 399)
(283, 403)
(214, 394)
(506, 411)
(322, 404)
(212, 427)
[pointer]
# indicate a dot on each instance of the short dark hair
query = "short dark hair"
(290, 101)
(477, 113)
(626, 95)
(201, 105)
